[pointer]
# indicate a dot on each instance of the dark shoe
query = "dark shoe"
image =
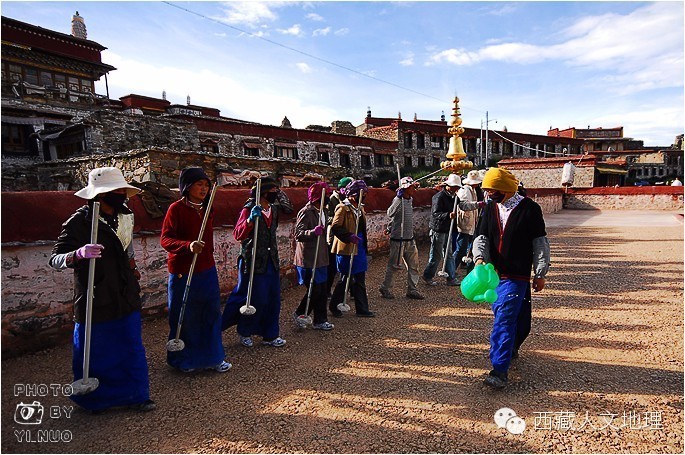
(387, 294)
(454, 282)
(515, 355)
(429, 281)
(496, 380)
(336, 313)
(366, 314)
(416, 295)
(145, 406)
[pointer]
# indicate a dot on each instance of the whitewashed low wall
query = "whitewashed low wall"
(37, 300)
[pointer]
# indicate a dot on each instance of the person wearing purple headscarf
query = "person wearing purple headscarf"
(348, 241)
(309, 228)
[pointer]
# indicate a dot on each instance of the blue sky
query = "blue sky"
(532, 65)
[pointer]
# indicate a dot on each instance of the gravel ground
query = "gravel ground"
(602, 371)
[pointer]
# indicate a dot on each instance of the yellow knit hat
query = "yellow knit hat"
(501, 180)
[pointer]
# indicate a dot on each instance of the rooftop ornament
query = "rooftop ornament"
(455, 154)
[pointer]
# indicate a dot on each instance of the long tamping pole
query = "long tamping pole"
(86, 384)
(344, 306)
(305, 317)
(399, 254)
(448, 246)
(248, 309)
(177, 344)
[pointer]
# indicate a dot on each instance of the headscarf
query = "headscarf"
(314, 192)
(354, 188)
(344, 182)
(189, 176)
(501, 180)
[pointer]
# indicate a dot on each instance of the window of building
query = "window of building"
(209, 146)
(60, 81)
(422, 162)
(87, 86)
(73, 84)
(15, 72)
(407, 161)
(420, 141)
(408, 143)
(345, 160)
(289, 152)
(68, 149)
(384, 160)
(437, 142)
(639, 172)
(323, 155)
(366, 161)
(249, 150)
(436, 160)
(31, 76)
(46, 78)
(13, 138)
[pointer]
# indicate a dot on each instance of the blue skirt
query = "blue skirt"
(304, 275)
(201, 329)
(117, 360)
(360, 263)
(266, 298)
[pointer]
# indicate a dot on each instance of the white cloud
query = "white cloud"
(408, 60)
(640, 50)
(342, 31)
(295, 30)
(508, 8)
(250, 14)
(306, 69)
(252, 102)
(314, 17)
(321, 31)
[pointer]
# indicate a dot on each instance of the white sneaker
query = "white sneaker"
(222, 367)
(246, 341)
(323, 326)
(277, 343)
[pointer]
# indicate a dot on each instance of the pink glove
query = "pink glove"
(90, 251)
(354, 239)
(318, 230)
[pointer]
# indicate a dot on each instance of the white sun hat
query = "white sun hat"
(103, 180)
(406, 182)
(453, 180)
(473, 178)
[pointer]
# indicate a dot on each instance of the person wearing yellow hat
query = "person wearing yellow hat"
(117, 355)
(511, 235)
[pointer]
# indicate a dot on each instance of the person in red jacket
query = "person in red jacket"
(201, 329)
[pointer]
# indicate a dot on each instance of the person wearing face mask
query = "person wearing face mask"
(266, 289)
(401, 215)
(511, 236)
(117, 355)
(309, 228)
(442, 214)
(201, 326)
(346, 242)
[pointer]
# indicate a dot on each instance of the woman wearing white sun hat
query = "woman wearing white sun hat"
(117, 355)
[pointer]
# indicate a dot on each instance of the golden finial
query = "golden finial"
(455, 153)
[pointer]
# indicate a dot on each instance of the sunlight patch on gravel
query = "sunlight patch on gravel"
(391, 413)
(395, 343)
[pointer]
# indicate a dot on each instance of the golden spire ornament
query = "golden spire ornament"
(455, 153)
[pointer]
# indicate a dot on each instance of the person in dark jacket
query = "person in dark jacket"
(201, 326)
(442, 214)
(117, 355)
(309, 229)
(266, 289)
(511, 236)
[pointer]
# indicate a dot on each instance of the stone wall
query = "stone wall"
(551, 177)
(668, 198)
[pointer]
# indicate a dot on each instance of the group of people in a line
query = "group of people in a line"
(331, 239)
